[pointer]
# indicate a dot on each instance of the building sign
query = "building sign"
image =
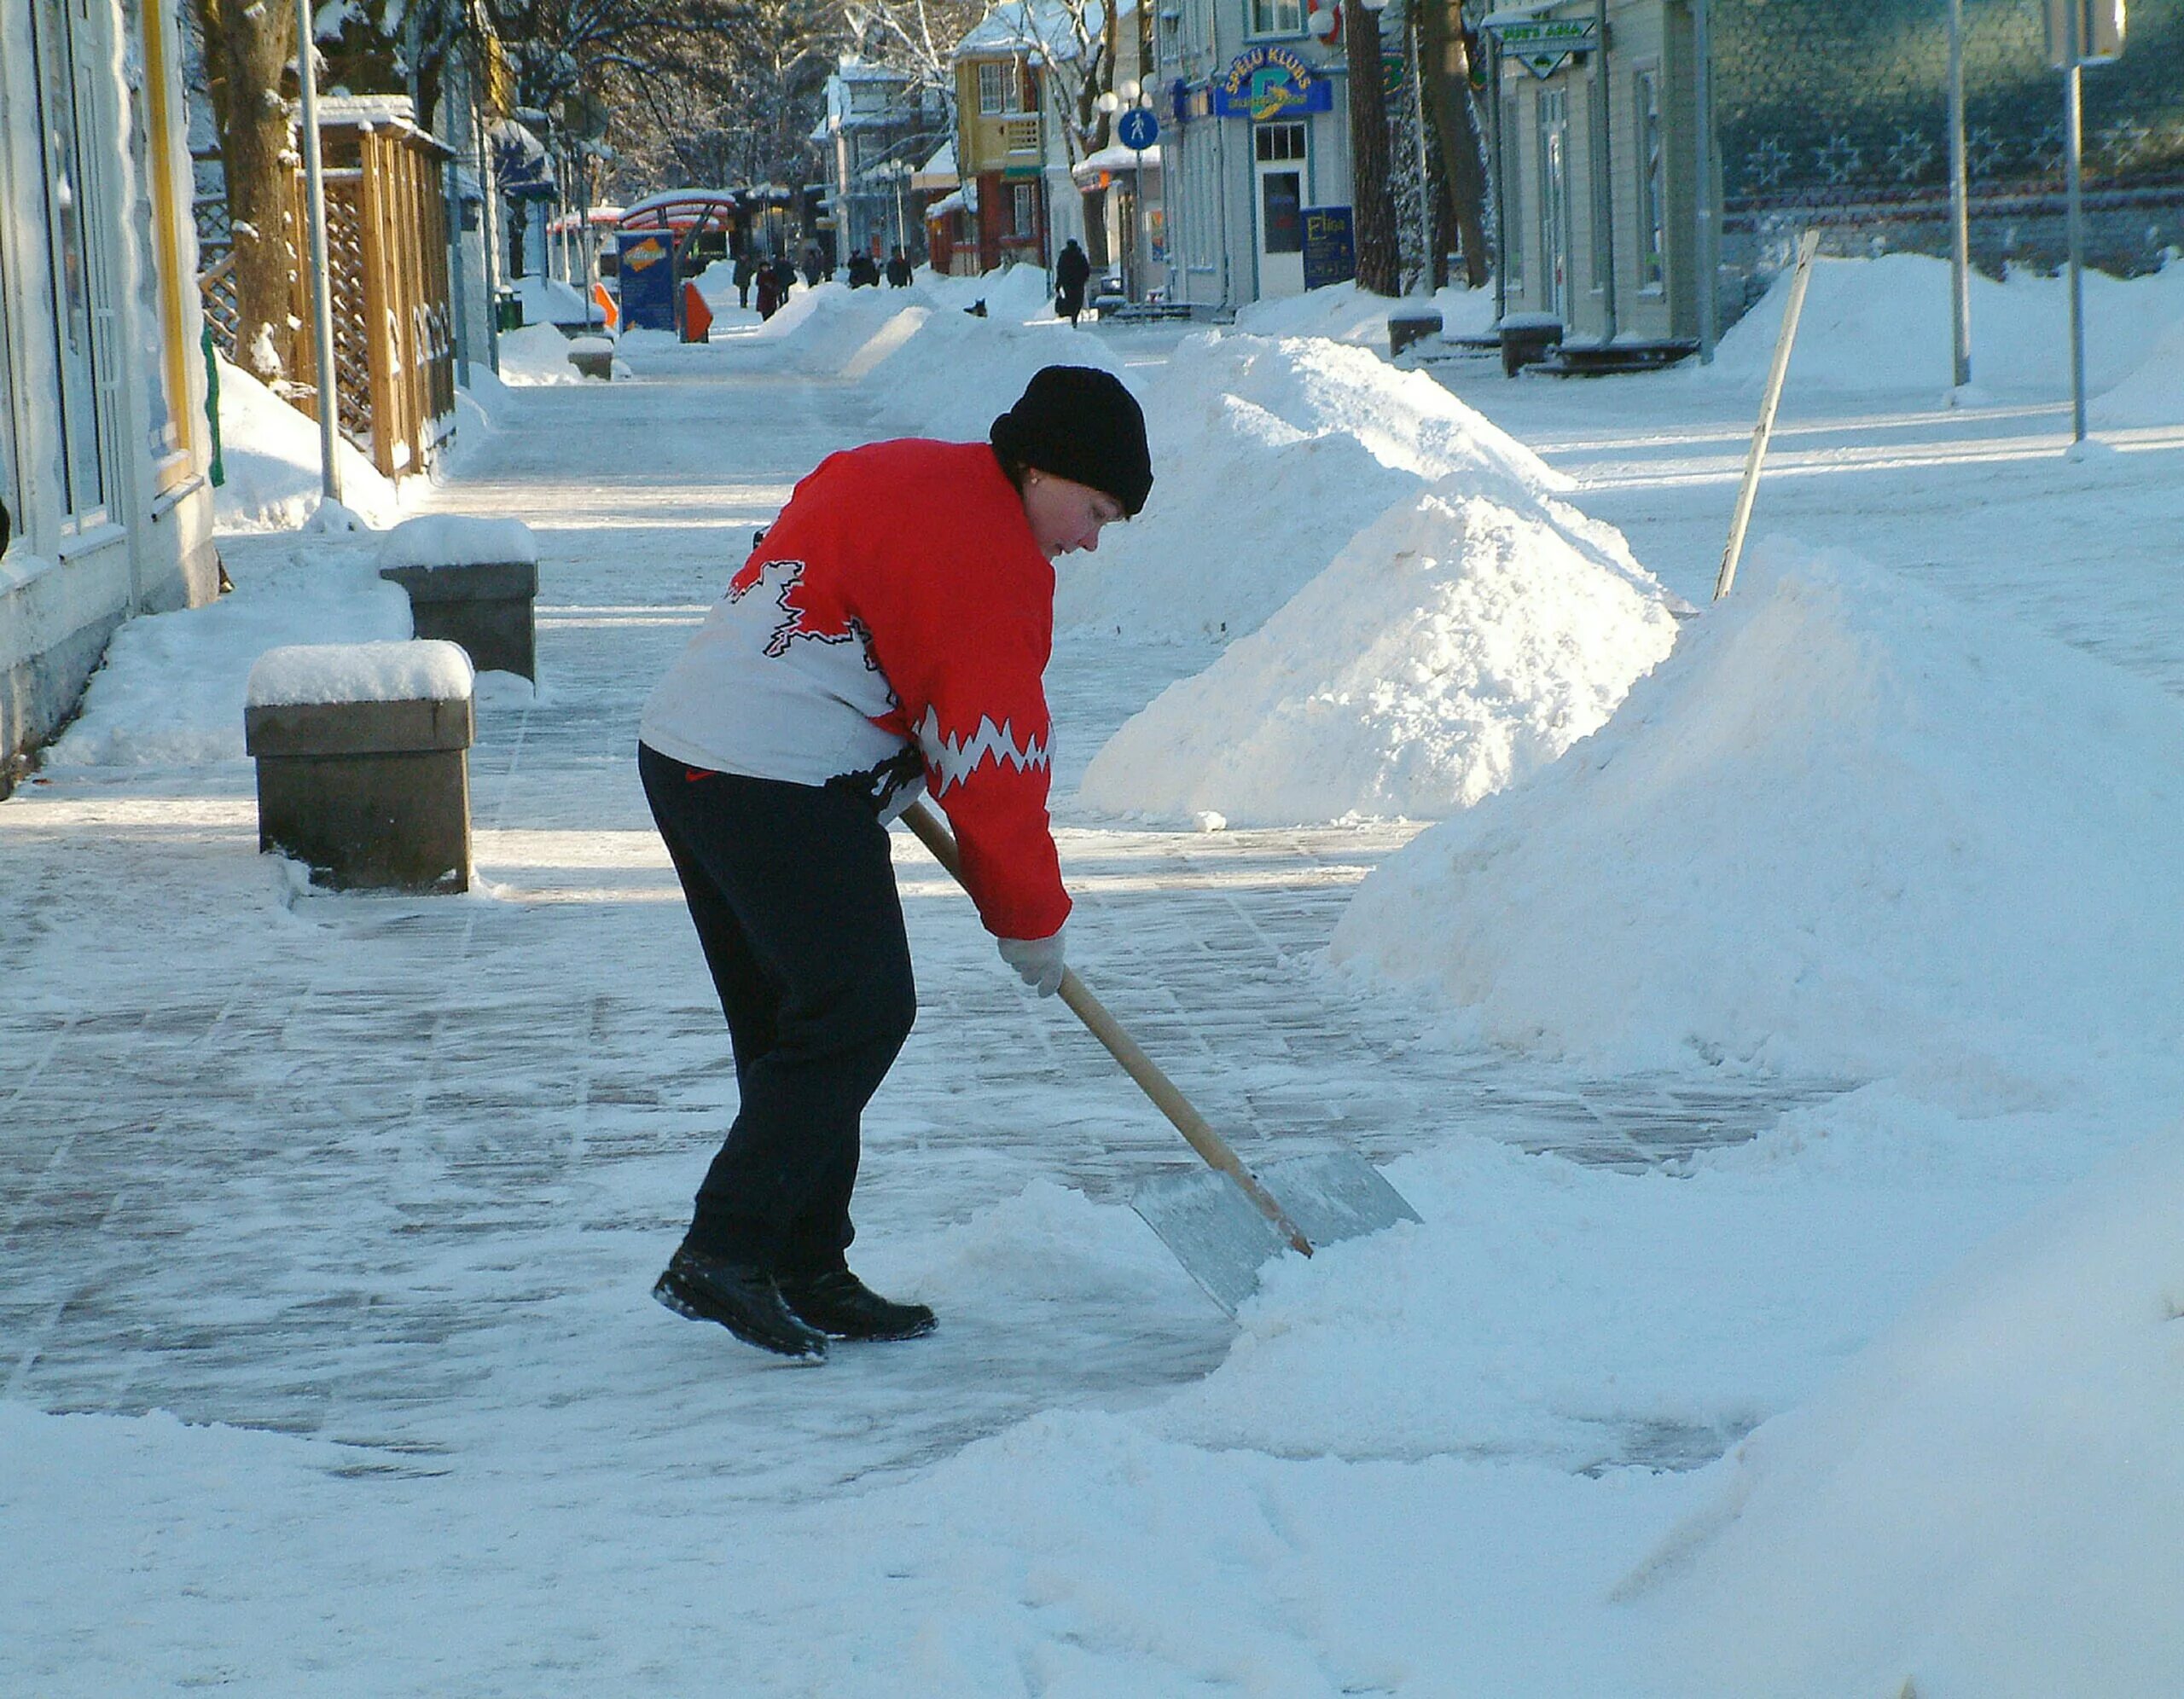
(1330, 254)
(1268, 82)
(1541, 44)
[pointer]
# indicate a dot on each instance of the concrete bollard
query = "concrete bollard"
(363, 769)
(471, 581)
(1407, 325)
(593, 357)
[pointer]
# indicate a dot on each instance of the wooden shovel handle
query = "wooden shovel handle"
(1141, 1068)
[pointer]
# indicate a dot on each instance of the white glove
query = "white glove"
(1039, 960)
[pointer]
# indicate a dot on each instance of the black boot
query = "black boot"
(741, 1298)
(842, 1307)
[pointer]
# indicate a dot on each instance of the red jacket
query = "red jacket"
(899, 601)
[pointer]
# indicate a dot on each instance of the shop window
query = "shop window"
(1653, 180)
(1277, 17)
(78, 323)
(1271, 144)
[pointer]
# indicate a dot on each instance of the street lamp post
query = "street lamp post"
(1131, 107)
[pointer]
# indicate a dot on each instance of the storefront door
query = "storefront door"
(1277, 156)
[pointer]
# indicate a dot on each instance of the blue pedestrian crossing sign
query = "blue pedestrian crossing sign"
(1137, 127)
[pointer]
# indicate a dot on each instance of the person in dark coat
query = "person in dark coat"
(899, 269)
(746, 268)
(768, 280)
(815, 267)
(1072, 271)
(784, 277)
(863, 274)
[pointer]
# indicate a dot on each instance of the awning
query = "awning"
(1113, 160)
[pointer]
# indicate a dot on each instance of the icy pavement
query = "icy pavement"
(374, 1169)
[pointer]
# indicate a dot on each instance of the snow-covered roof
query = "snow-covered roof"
(1019, 23)
(947, 204)
(1115, 158)
(939, 171)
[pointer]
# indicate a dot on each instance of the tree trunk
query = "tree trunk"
(1455, 121)
(1095, 202)
(250, 48)
(1373, 209)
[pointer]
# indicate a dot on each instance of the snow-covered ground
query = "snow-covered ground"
(1778, 1033)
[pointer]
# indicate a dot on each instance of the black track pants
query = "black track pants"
(792, 891)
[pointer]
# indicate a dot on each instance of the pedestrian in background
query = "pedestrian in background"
(887, 635)
(899, 269)
(746, 268)
(1073, 270)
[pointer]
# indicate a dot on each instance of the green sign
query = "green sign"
(1541, 44)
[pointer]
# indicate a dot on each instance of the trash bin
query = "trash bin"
(508, 311)
(1527, 338)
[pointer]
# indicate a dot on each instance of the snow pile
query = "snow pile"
(1852, 828)
(1992, 1502)
(270, 454)
(2153, 394)
(1881, 324)
(457, 540)
(951, 378)
(1456, 646)
(1342, 312)
(1268, 455)
(296, 674)
(171, 690)
(537, 354)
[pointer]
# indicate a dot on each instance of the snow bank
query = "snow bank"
(171, 690)
(1884, 323)
(2153, 394)
(1454, 647)
(1268, 455)
(952, 377)
(537, 354)
(427, 670)
(1991, 1502)
(270, 454)
(457, 540)
(1342, 312)
(1850, 827)
(548, 301)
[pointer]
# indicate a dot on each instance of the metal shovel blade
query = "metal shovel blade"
(1221, 1237)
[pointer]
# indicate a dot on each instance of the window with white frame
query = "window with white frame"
(1652, 179)
(152, 220)
(63, 111)
(1510, 228)
(993, 87)
(11, 500)
(1273, 142)
(1277, 17)
(1026, 209)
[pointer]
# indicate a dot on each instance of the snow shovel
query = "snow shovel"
(1223, 1226)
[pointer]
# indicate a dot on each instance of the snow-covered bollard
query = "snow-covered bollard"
(472, 582)
(364, 769)
(592, 355)
(1411, 323)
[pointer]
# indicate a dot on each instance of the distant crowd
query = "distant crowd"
(768, 278)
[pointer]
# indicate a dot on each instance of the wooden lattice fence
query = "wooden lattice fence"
(393, 324)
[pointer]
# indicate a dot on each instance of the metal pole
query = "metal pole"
(1502, 235)
(1702, 188)
(1426, 255)
(2073, 126)
(1959, 212)
(1808, 245)
(1603, 174)
(321, 295)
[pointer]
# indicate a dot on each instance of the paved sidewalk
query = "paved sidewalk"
(375, 1168)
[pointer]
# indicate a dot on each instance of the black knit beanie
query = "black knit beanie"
(1080, 423)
